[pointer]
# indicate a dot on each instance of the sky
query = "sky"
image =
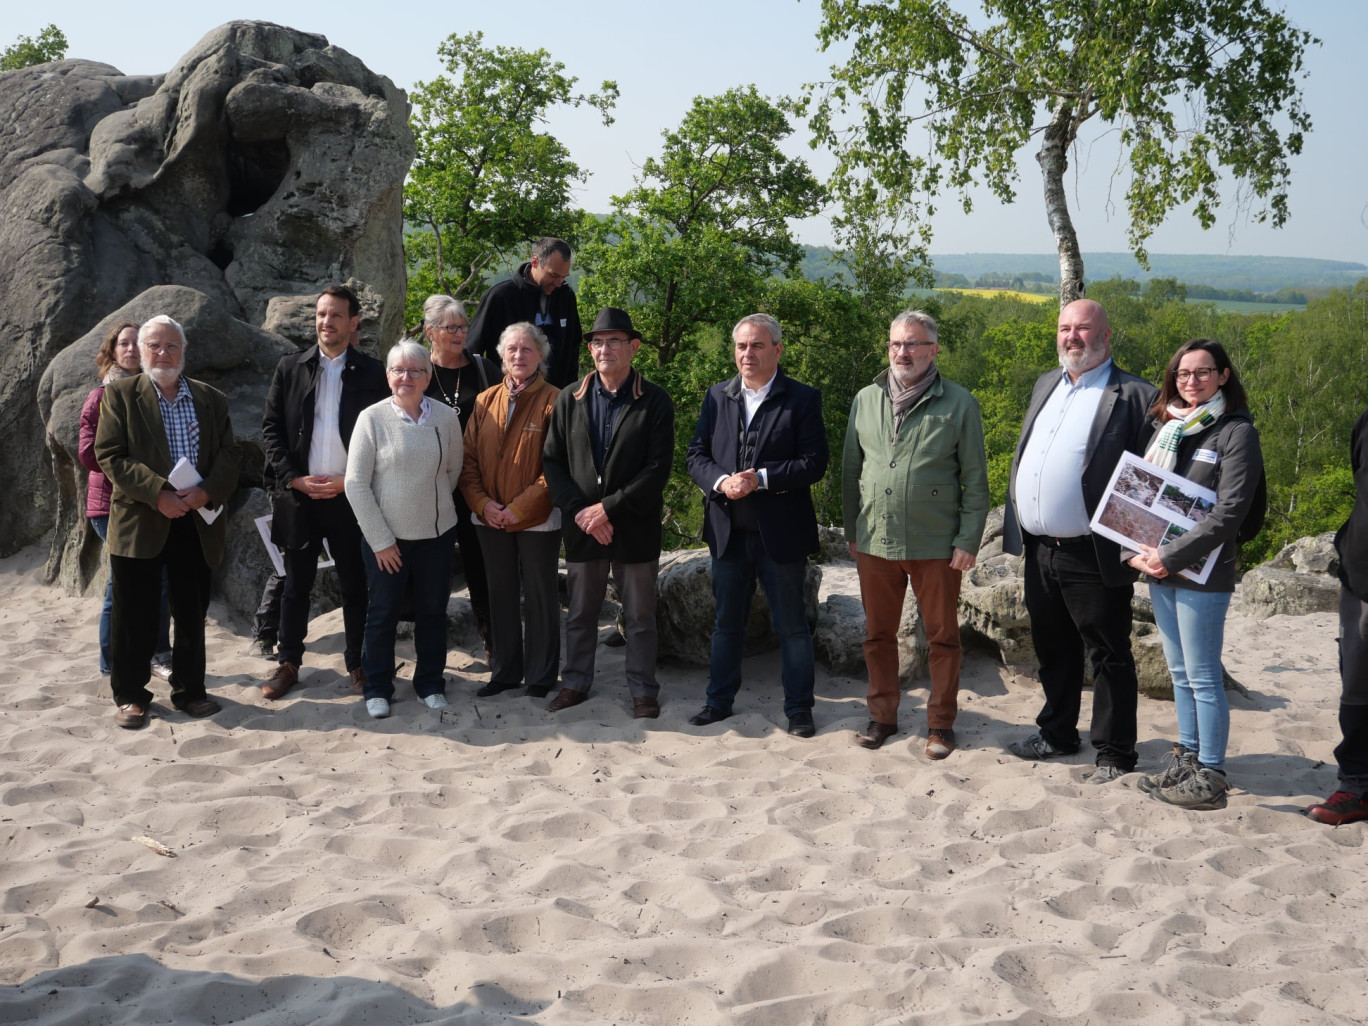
(662, 56)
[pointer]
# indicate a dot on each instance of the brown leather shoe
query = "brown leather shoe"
(358, 680)
(200, 707)
(939, 743)
(280, 682)
(875, 735)
(566, 698)
(131, 716)
(645, 708)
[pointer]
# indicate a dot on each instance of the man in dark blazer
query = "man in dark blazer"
(759, 447)
(149, 423)
(607, 459)
(311, 408)
(1078, 591)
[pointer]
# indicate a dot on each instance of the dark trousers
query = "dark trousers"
(523, 561)
(734, 575)
(332, 519)
(137, 586)
(1073, 614)
(426, 562)
(266, 624)
(1352, 751)
(473, 567)
(587, 583)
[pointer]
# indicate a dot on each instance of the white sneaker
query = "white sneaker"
(161, 669)
(378, 707)
(436, 702)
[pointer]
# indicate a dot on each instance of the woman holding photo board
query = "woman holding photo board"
(1202, 430)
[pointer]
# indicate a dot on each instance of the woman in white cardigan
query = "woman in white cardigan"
(403, 463)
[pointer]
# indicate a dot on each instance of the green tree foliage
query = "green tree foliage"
(1191, 87)
(486, 179)
(25, 52)
(688, 248)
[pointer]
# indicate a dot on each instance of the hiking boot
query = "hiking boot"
(1202, 789)
(1178, 765)
(1105, 773)
(1341, 807)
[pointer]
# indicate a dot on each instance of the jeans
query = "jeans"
(1352, 751)
(734, 574)
(1075, 614)
(266, 623)
(427, 561)
(1192, 627)
(163, 653)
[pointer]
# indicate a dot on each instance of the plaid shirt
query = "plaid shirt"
(182, 426)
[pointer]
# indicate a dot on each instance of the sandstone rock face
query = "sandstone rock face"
(266, 164)
(1302, 578)
(685, 611)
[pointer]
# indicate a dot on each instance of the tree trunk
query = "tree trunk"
(1054, 161)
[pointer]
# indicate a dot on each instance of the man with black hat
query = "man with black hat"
(607, 459)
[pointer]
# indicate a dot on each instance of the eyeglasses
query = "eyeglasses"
(451, 329)
(408, 372)
(607, 343)
(912, 346)
(157, 347)
(1200, 374)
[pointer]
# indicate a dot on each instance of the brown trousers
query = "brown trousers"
(883, 584)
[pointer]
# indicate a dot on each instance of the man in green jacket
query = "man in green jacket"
(914, 490)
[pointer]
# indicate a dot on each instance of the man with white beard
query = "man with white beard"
(148, 425)
(914, 490)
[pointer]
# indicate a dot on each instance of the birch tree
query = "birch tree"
(1194, 90)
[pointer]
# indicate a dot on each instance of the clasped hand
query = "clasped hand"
(740, 484)
(320, 486)
(1147, 562)
(176, 504)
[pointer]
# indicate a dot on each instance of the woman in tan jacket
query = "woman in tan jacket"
(519, 529)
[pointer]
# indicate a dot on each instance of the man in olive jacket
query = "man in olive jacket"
(607, 460)
(914, 492)
(148, 424)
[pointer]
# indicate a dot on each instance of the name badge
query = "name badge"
(1207, 456)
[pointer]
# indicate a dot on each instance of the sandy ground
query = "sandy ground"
(494, 863)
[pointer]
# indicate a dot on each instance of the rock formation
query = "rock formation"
(264, 164)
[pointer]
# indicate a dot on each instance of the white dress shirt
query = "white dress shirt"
(1049, 481)
(327, 454)
(751, 398)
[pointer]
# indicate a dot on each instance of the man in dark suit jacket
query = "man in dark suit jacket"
(148, 423)
(759, 446)
(311, 408)
(1078, 590)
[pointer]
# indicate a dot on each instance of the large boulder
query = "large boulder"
(685, 610)
(265, 164)
(838, 638)
(1301, 578)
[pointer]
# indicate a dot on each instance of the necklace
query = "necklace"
(454, 398)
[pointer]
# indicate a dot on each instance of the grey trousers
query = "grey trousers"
(522, 562)
(636, 585)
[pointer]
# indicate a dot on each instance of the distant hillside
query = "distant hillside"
(1258, 274)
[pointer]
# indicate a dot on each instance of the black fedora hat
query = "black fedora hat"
(610, 318)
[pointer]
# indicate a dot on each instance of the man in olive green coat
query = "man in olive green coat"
(148, 425)
(914, 490)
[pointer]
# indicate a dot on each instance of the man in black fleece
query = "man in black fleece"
(537, 293)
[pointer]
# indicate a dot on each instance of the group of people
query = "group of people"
(397, 465)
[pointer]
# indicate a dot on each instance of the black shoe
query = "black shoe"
(706, 716)
(495, 687)
(538, 690)
(802, 725)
